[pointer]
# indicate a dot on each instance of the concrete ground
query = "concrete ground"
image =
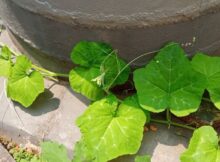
(5, 156)
(53, 114)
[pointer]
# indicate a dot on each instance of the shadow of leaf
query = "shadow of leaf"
(44, 103)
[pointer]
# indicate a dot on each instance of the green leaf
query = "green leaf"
(5, 53)
(111, 67)
(133, 100)
(24, 84)
(81, 153)
(106, 69)
(5, 68)
(90, 54)
(35, 159)
(5, 61)
(81, 82)
(144, 158)
(111, 129)
(209, 67)
(169, 81)
(54, 152)
(203, 146)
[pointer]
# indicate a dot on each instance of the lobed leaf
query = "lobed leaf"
(53, 152)
(81, 81)
(209, 67)
(203, 146)
(90, 54)
(5, 61)
(81, 153)
(110, 130)
(111, 67)
(5, 53)
(24, 84)
(102, 61)
(169, 81)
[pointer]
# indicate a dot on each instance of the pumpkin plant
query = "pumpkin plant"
(112, 127)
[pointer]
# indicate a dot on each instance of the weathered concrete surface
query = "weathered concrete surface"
(4, 155)
(50, 117)
(52, 27)
(112, 14)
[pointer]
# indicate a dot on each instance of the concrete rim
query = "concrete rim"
(113, 21)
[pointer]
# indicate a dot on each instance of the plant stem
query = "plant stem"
(49, 73)
(132, 61)
(168, 117)
(172, 123)
(206, 99)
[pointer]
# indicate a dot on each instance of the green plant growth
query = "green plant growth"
(112, 127)
(122, 123)
(98, 66)
(169, 82)
(209, 67)
(5, 61)
(203, 146)
(24, 80)
(53, 152)
(144, 158)
(24, 83)
(21, 155)
(50, 152)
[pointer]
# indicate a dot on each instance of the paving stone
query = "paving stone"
(4, 155)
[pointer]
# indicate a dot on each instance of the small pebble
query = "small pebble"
(146, 129)
(153, 128)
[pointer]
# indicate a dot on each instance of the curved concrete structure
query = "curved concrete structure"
(132, 27)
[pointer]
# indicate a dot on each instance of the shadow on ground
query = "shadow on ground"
(44, 103)
(163, 145)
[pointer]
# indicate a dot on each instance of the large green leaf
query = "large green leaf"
(106, 69)
(110, 130)
(53, 152)
(203, 146)
(209, 67)
(81, 153)
(90, 54)
(81, 81)
(5, 61)
(111, 67)
(24, 84)
(169, 81)
(144, 158)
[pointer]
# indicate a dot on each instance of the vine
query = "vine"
(170, 82)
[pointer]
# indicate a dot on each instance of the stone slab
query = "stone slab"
(4, 155)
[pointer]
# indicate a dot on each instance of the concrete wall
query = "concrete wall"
(51, 27)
